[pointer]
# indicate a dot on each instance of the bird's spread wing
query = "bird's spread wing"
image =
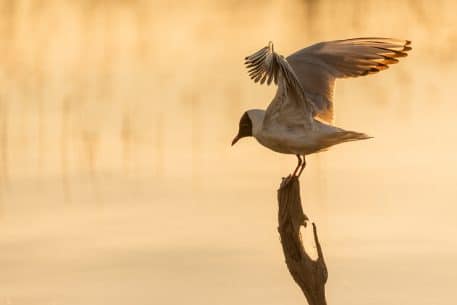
(289, 104)
(317, 66)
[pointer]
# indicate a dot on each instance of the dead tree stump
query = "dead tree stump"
(310, 275)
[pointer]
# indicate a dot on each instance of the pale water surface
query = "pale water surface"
(118, 184)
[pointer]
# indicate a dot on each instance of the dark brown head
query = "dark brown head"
(245, 128)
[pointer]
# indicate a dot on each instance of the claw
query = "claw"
(286, 181)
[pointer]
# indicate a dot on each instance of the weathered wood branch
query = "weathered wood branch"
(310, 275)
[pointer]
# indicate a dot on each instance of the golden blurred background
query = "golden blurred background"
(118, 184)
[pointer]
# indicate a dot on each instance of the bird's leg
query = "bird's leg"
(289, 178)
(303, 165)
(298, 166)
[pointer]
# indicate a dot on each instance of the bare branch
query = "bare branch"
(311, 275)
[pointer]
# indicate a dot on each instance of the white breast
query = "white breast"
(295, 140)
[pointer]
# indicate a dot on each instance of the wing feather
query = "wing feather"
(289, 104)
(318, 65)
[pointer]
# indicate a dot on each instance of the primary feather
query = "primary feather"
(318, 65)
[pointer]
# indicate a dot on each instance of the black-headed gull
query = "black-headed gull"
(298, 119)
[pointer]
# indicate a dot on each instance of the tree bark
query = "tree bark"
(310, 275)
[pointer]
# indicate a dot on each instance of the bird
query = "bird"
(299, 119)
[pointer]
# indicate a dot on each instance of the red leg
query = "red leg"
(303, 165)
(298, 166)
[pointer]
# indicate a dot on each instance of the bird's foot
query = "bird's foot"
(287, 180)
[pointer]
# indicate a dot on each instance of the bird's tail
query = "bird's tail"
(341, 137)
(346, 136)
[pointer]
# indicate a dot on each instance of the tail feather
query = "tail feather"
(341, 137)
(352, 136)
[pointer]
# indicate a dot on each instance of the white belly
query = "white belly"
(299, 141)
(289, 144)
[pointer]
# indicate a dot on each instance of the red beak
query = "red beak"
(235, 139)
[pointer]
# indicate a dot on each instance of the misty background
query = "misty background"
(118, 184)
